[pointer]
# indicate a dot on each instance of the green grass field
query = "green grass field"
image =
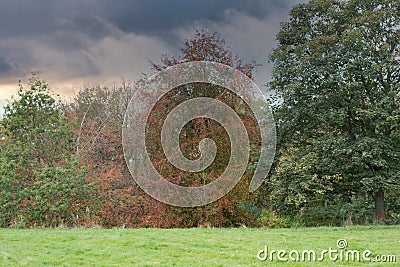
(190, 247)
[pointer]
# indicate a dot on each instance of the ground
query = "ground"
(193, 247)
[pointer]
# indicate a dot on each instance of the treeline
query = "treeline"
(336, 104)
(63, 163)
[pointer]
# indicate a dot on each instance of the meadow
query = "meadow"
(196, 246)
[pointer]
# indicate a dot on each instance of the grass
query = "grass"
(187, 247)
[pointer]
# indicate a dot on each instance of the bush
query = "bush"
(357, 212)
(270, 219)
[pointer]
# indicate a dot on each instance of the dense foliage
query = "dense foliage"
(337, 109)
(41, 181)
(101, 111)
(337, 74)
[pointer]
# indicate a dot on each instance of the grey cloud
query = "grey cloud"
(100, 40)
(144, 16)
(5, 67)
(27, 17)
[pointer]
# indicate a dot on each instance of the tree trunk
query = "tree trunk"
(380, 214)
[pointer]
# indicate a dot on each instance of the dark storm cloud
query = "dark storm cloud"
(41, 17)
(28, 17)
(73, 41)
(70, 25)
(144, 15)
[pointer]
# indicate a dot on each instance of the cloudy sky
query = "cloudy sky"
(75, 42)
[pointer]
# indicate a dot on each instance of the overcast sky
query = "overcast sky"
(76, 42)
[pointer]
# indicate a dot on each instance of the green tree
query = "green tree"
(337, 75)
(41, 182)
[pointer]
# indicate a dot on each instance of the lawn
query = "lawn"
(192, 247)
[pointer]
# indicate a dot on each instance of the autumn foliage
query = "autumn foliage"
(101, 110)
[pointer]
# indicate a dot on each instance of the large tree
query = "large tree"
(337, 75)
(238, 206)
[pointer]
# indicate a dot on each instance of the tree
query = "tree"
(337, 75)
(100, 112)
(41, 182)
(238, 206)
